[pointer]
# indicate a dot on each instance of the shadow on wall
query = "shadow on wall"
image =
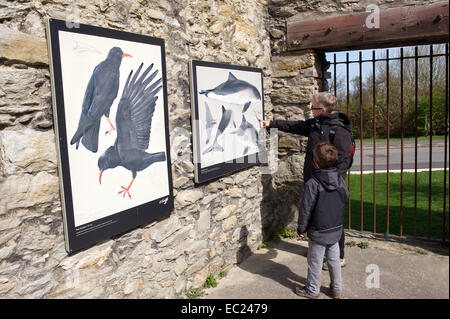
(244, 250)
(268, 206)
(279, 205)
(276, 209)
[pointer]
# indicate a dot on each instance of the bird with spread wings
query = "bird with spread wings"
(134, 120)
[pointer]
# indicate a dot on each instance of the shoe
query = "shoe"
(302, 292)
(335, 296)
(343, 263)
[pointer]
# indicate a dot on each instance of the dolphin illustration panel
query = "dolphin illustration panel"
(111, 121)
(227, 104)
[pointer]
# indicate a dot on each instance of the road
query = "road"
(381, 155)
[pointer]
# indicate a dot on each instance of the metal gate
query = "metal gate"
(369, 109)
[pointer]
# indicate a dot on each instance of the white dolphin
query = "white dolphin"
(234, 91)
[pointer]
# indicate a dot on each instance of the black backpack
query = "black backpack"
(331, 132)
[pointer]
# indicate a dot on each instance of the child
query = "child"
(322, 215)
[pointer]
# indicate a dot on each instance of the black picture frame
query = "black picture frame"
(238, 162)
(82, 235)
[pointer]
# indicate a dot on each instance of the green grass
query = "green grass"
(287, 233)
(195, 293)
(275, 236)
(421, 251)
(210, 282)
(416, 250)
(284, 232)
(351, 243)
(363, 245)
(303, 239)
(262, 245)
(223, 274)
(437, 194)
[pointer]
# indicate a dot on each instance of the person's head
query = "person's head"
(325, 155)
(323, 103)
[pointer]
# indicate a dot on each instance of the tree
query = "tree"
(394, 125)
(423, 117)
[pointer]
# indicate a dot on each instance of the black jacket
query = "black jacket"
(322, 210)
(317, 130)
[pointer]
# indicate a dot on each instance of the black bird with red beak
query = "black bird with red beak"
(134, 120)
(100, 94)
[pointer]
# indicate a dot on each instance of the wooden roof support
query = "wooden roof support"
(407, 25)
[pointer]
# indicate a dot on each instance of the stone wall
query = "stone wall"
(212, 227)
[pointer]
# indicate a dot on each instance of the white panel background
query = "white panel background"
(92, 201)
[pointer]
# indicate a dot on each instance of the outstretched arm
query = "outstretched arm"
(295, 127)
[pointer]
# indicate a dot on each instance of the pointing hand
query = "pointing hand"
(265, 124)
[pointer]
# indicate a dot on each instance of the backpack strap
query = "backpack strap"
(327, 132)
(331, 134)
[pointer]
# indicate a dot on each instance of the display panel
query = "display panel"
(227, 104)
(110, 112)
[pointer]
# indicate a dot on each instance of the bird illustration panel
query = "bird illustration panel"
(110, 107)
(227, 106)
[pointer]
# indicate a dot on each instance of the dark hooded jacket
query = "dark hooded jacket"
(317, 130)
(322, 210)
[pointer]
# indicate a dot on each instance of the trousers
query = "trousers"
(316, 253)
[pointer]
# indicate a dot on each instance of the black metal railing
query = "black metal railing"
(413, 64)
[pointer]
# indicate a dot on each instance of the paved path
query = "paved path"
(407, 271)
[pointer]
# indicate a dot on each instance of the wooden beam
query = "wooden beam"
(407, 25)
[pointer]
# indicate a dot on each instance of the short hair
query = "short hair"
(326, 100)
(325, 154)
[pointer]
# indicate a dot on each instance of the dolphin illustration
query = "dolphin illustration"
(234, 91)
(210, 122)
(224, 121)
(250, 147)
(247, 146)
(245, 125)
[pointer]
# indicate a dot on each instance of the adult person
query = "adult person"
(327, 124)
